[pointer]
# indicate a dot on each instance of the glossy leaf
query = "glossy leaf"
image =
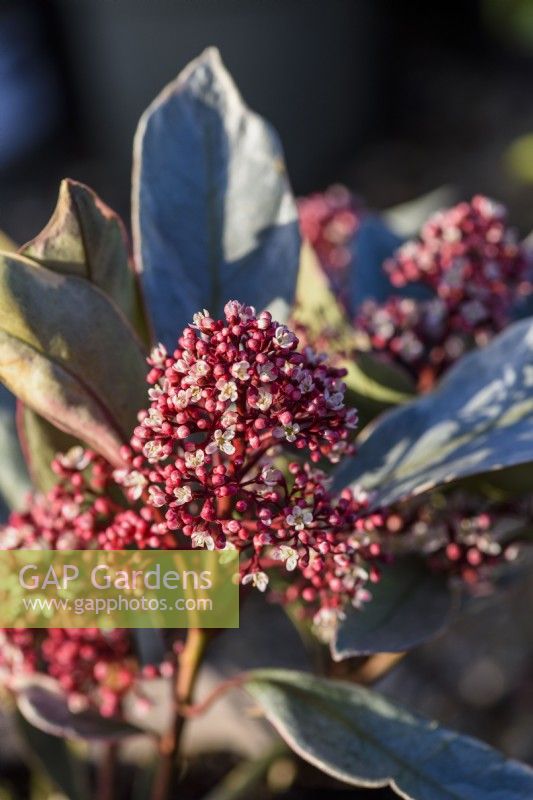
(68, 353)
(409, 605)
(213, 214)
(479, 419)
(316, 306)
(43, 705)
(86, 238)
(41, 442)
(363, 739)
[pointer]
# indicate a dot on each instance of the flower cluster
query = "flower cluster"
(330, 221)
(461, 534)
(469, 261)
(91, 666)
(234, 393)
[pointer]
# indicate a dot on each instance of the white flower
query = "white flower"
(154, 419)
(158, 355)
(154, 451)
(75, 458)
(135, 482)
(199, 369)
(267, 371)
(264, 401)
(184, 363)
(258, 579)
(199, 318)
(227, 391)
(182, 494)
(270, 475)
(283, 337)
(240, 369)
(195, 394)
(300, 517)
(289, 555)
(229, 419)
(289, 432)
(222, 441)
(194, 460)
(202, 538)
(181, 399)
(155, 392)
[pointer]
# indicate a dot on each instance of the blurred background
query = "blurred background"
(394, 99)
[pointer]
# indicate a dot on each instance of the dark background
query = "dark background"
(393, 98)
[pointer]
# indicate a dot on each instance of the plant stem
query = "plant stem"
(187, 671)
(376, 667)
(106, 772)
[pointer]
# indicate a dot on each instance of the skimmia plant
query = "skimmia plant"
(204, 392)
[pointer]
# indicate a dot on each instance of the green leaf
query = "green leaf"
(54, 756)
(41, 442)
(87, 239)
(316, 306)
(68, 353)
(479, 419)
(361, 738)
(213, 218)
(43, 705)
(370, 378)
(409, 605)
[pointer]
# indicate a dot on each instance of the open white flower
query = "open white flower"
(300, 517)
(222, 440)
(158, 355)
(194, 460)
(289, 555)
(284, 337)
(258, 579)
(264, 401)
(199, 317)
(76, 458)
(182, 494)
(202, 538)
(154, 452)
(227, 391)
(199, 369)
(240, 369)
(289, 432)
(135, 482)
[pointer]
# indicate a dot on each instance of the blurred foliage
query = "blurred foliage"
(510, 20)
